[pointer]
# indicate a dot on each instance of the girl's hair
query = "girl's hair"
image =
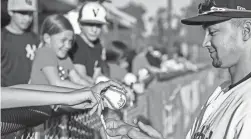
(55, 24)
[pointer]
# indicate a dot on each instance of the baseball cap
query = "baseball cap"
(220, 10)
(22, 5)
(92, 12)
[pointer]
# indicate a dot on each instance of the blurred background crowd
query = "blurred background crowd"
(160, 61)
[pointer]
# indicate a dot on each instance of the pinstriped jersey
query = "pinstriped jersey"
(226, 115)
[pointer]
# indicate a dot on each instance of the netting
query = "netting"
(74, 125)
(71, 125)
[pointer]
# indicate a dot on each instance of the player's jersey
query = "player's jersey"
(226, 115)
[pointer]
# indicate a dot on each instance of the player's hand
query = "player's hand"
(151, 133)
(117, 128)
(126, 131)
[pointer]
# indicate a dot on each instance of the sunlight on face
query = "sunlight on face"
(62, 43)
(91, 31)
(223, 43)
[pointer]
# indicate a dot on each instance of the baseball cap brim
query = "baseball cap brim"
(93, 22)
(202, 19)
(235, 14)
(24, 10)
(216, 17)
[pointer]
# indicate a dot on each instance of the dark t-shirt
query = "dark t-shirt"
(16, 64)
(82, 54)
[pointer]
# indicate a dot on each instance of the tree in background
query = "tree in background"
(136, 34)
(161, 30)
(131, 36)
(194, 35)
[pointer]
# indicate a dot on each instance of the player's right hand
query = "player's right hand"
(126, 131)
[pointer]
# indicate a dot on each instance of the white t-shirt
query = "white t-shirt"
(226, 115)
